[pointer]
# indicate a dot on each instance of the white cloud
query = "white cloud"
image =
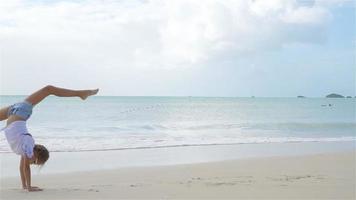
(128, 35)
(159, 33)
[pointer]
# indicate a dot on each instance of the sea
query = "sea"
(103, 123)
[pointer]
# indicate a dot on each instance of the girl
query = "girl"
(21, 142)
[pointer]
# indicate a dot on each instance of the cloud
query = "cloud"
(132, 42)
(155, 33)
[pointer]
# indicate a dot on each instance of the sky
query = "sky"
(274, 48)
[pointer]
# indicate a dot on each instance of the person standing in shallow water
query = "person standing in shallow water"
(18, 137)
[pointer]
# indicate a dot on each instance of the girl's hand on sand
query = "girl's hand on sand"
(34, 189)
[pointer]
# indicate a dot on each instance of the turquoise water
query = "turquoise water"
(99, 123)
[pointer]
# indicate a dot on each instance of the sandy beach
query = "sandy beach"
(319, 176)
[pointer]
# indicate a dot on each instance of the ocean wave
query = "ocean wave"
(97, 145)
(230, 126)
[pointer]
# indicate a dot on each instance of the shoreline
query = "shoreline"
(349, 139)
(317, 176)
(66, 162)
(191, 145)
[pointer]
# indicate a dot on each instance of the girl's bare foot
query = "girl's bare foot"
(86, 93)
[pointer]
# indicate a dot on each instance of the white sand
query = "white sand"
(322, 176)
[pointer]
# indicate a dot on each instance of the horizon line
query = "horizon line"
(199, 96)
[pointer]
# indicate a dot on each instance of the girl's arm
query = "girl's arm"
(23, 181)
(26, 171)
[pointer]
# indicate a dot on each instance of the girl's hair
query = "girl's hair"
(41, 154)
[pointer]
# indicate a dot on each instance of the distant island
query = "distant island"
(333, 95)
(300, 96)
(349, 97)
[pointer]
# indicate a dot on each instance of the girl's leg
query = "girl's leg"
(38, 96)
(3, 113)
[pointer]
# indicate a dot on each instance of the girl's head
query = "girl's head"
(41, 154)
